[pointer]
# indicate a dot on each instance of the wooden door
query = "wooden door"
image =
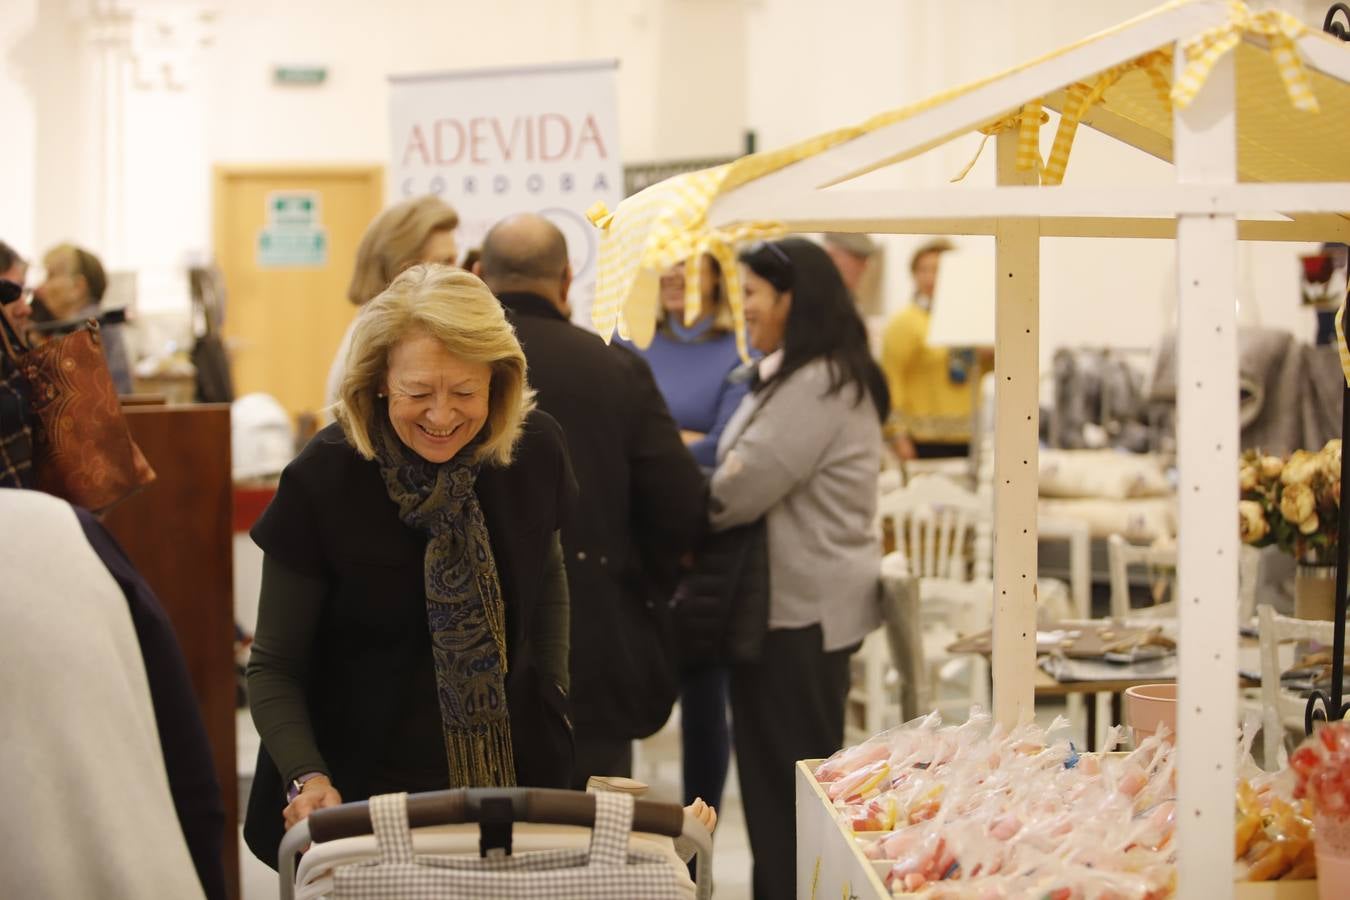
(285, 239)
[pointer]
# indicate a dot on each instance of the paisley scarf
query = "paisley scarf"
(465, 610)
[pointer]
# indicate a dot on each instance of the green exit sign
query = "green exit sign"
(299, 74)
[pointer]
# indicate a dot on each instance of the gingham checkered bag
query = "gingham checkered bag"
(608, 870)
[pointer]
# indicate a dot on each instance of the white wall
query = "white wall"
(18, 145)
(680, 75)
(117, 109)
(117, 154)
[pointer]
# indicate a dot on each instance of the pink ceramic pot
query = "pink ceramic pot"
(1149, 705)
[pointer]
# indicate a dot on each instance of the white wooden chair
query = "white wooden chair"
(1121, 555)
(888, 667)
(1283, 710)
(888, 672)
(935, 523)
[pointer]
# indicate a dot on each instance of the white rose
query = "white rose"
(1298, 503)
(1300, 469)
(1247, 479)
(1331, 461)
(1252, 522)
(1271, 467)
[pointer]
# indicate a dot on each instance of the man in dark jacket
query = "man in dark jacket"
(641, 503)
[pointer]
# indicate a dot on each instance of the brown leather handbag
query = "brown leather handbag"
(83, 451)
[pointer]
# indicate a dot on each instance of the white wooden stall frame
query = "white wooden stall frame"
(1205, 213)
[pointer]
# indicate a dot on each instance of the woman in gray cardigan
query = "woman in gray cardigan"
(803, 450)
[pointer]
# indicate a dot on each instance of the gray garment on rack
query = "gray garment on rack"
(1270, 375)
(1095, 387)
(1290, 396)
(1320, 401)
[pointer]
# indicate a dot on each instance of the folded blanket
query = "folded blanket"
(1109, 474)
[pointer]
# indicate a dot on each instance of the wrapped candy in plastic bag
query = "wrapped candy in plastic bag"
(979, 810)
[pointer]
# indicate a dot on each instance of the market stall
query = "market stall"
(1250, 108)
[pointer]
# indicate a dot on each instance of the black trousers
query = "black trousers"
(935, 450)
(786, 707)
(601, 756)
(705, 733)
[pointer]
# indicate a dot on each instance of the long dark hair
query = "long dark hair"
(822, 321)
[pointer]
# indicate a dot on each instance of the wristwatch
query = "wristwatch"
(298, 785)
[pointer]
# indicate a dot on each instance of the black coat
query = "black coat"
(182, 734)
(642, 504)
(332, 517)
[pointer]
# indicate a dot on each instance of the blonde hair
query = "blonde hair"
(722, 319)
(394, 241)
(458, 310)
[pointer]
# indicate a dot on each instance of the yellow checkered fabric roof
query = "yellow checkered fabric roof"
(1290, 128)
(1277, 142)
(666, 224)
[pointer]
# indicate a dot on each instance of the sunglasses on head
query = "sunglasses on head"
(773, 250)
(772, 263)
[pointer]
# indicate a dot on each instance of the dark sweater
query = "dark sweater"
(332, 521)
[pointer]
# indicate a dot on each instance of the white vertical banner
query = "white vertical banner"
(493, 142)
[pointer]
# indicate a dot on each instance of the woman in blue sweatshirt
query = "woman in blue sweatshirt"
(693, 365)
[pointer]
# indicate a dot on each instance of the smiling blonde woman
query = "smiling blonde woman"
(413, 624)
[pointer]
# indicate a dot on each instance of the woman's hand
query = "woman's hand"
(904, 448)
(691, 437)
(317, 793)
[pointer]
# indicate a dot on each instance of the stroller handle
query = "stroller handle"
(540, 806)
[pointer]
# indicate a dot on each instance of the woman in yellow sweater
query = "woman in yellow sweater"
(932, 388)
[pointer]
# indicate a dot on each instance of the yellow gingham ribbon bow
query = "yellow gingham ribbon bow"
(1279, 27)
(667, 223)
(1081, 97)
(1028, 121)
(664, 225)
(599, 215)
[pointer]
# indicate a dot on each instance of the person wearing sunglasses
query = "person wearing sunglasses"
(803, 451)
(16, 408)
(14, 268)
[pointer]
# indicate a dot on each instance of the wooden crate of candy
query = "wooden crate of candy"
(900, 814)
